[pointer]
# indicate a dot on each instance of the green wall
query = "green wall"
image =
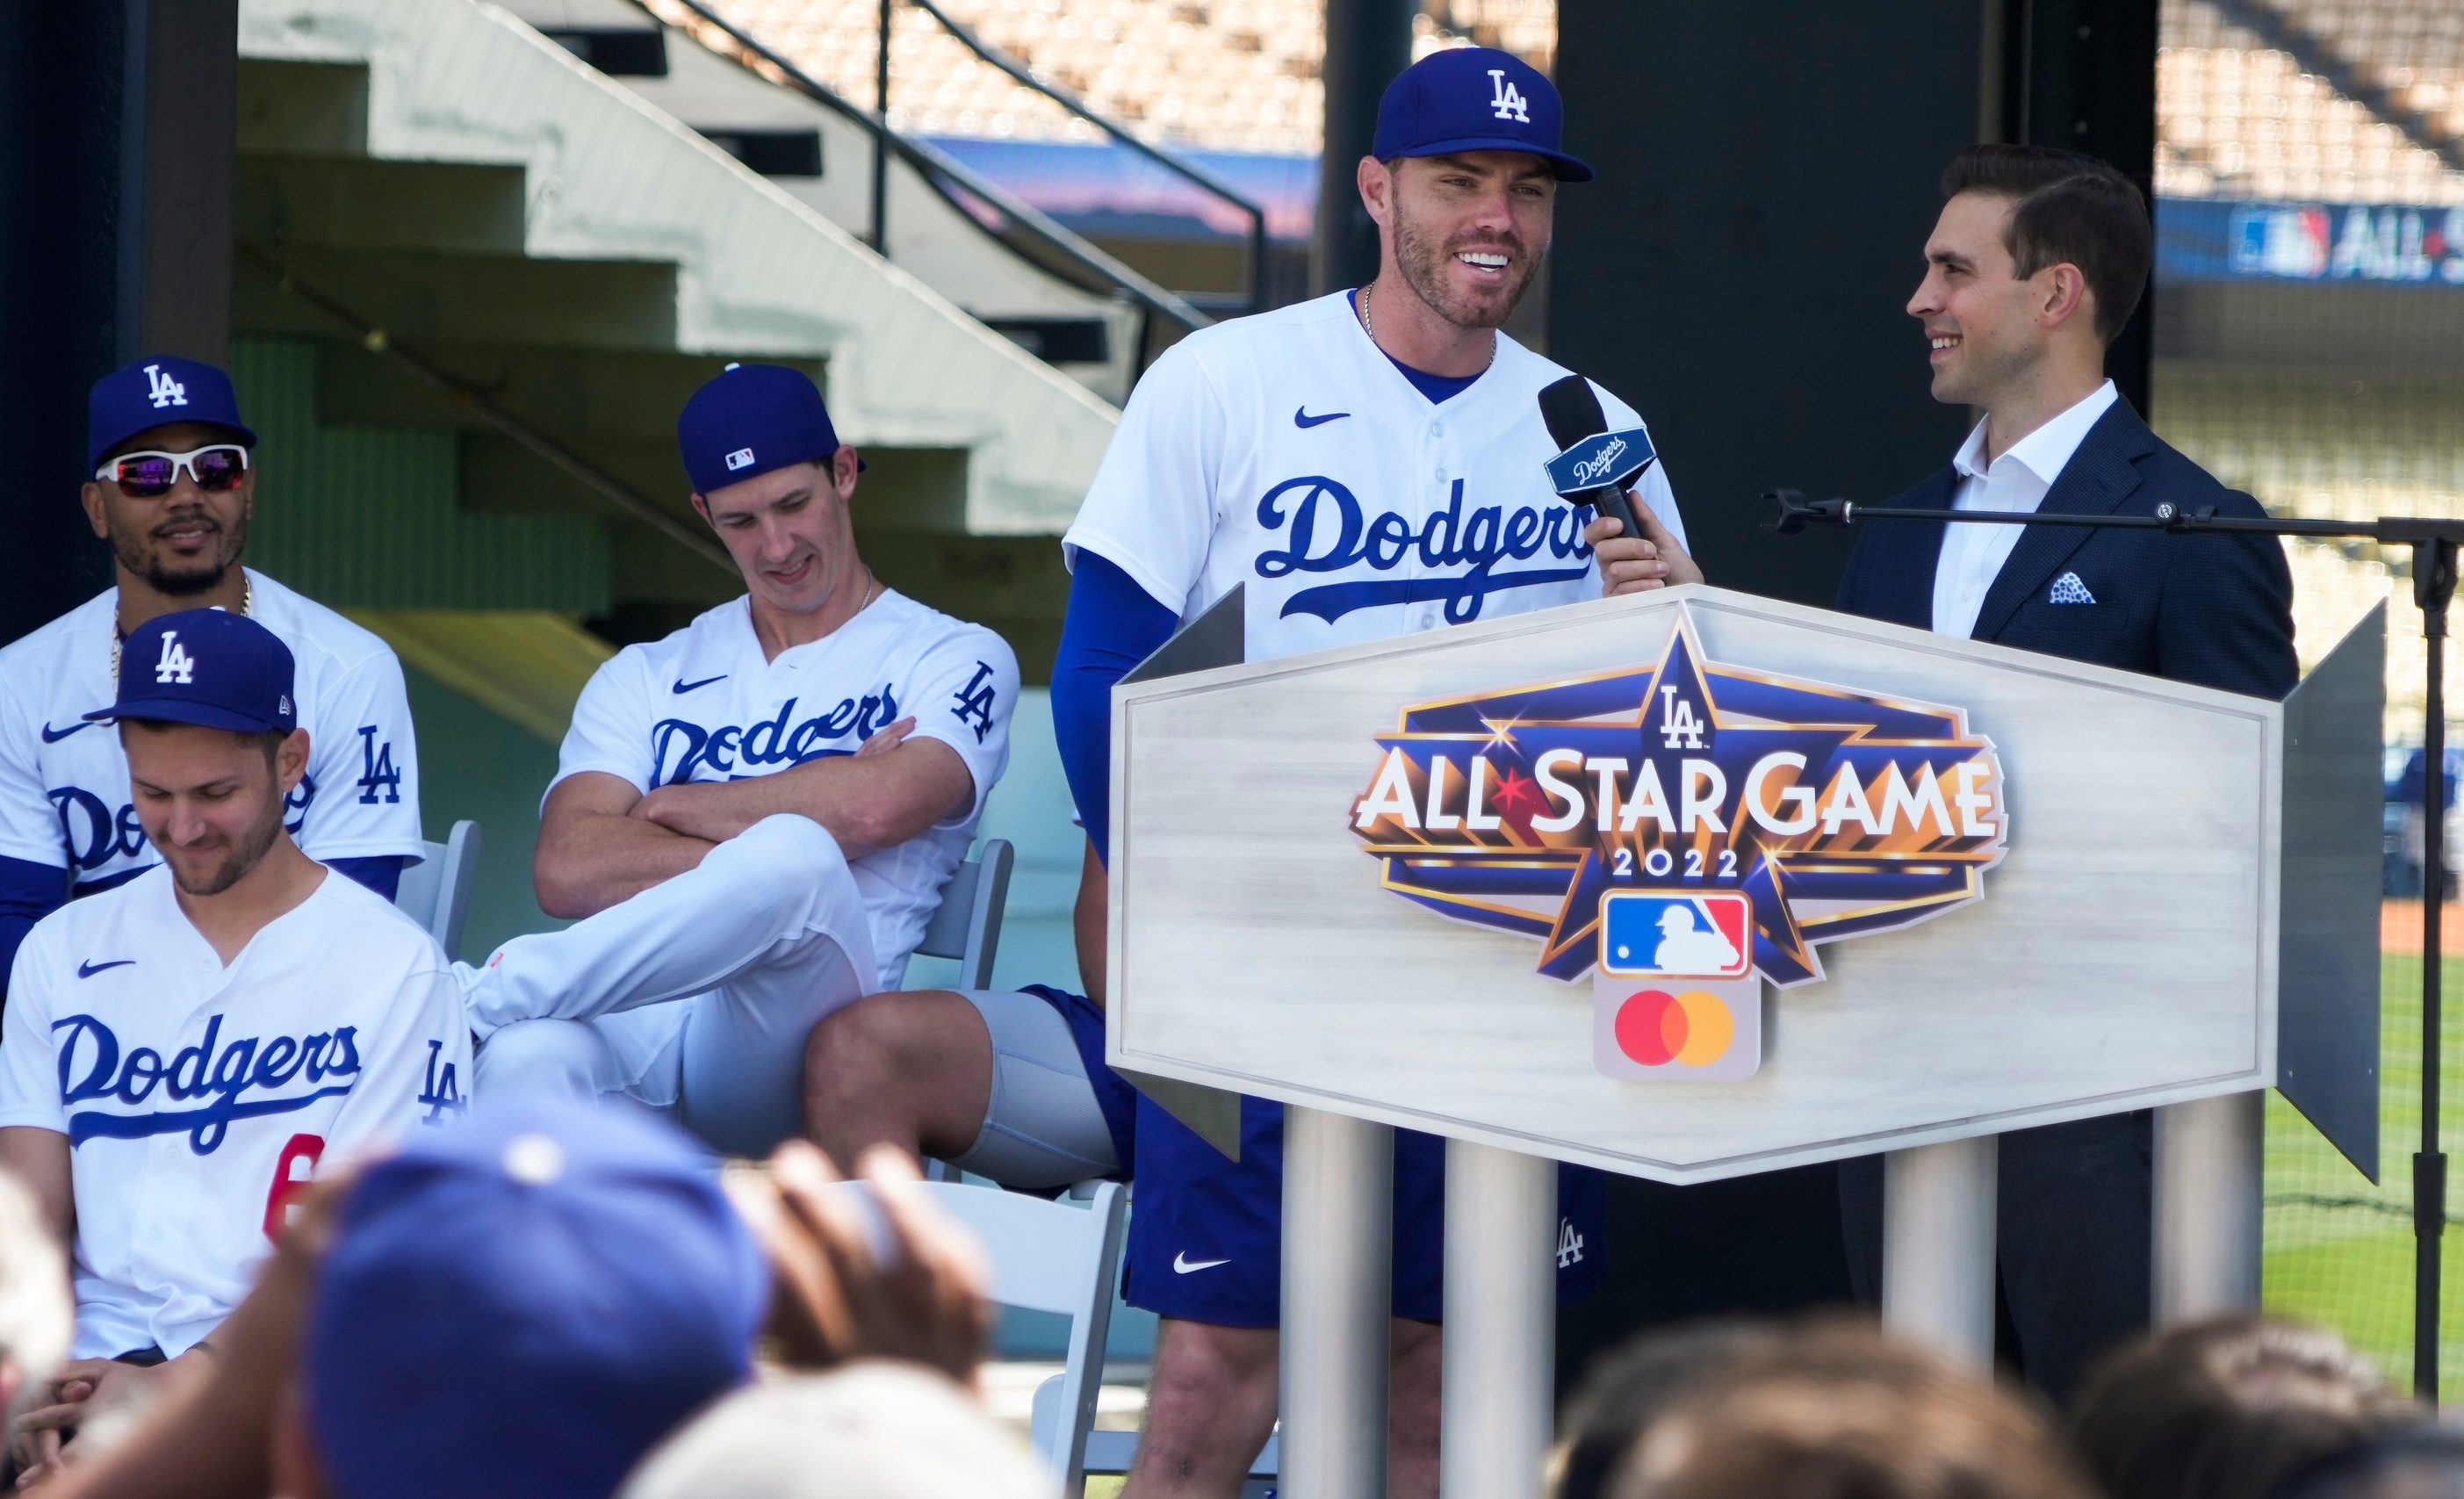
(475, 764)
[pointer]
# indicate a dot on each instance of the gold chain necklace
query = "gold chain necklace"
(247, 606)
(1370, 328)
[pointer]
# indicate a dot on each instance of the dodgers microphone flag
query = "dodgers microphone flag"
(1595, 465)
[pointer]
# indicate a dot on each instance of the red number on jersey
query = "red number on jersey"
(291, 1172)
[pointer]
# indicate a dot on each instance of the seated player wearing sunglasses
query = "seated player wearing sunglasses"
(173, 490)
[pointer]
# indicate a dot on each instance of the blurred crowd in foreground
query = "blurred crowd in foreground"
(563, 1303)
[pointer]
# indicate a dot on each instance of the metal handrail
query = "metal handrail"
(1188, 170)
(1049, 242)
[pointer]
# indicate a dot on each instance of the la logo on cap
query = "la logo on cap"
(175, 665)
(1507, 101)
(740, 458)
(164, 390)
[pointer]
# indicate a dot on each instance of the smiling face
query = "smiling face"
(1986, 327)
(1465, 231)
(183, 542)
(209, 800)
(789, 531)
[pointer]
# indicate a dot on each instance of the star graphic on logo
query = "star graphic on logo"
(1517, 790)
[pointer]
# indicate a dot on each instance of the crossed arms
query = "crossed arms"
(601, 840)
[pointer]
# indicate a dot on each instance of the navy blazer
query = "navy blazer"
(2214, 609)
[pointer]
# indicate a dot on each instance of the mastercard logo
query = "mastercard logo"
(1655, 1028)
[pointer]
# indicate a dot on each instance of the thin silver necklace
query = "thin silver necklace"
(1370, 328)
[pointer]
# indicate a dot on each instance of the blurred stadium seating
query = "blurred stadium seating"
(1225, 75)
(2240, 118)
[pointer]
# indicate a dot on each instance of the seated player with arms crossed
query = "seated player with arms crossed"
(179, 1052)
(755, 815)
(174, 492)
(1367, 464)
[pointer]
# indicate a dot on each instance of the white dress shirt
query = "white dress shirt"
(2015, 483)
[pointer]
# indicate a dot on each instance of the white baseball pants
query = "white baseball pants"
(695, 997)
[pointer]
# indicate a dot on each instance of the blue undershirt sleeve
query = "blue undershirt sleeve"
(382, 874)
(29, 891)
(1113, 625)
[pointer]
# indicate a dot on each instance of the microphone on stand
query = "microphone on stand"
(1796, 511)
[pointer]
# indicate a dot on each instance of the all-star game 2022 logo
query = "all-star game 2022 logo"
(1681, 832)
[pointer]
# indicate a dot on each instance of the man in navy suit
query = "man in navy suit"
(2036, 262)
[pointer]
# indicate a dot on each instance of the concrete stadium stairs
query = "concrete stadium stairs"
(477, 277)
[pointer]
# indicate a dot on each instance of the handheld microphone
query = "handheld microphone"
(1595, 464)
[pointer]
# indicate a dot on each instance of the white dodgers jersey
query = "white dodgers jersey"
(704, 704)
(64, 798)
(1288, 453)
(198, 1099)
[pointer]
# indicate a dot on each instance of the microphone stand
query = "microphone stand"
(2433, 543)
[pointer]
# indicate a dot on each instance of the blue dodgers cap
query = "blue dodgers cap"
(749, 420)
(525, 1303)
(157, 392)
(207, 666)
(1474, 98)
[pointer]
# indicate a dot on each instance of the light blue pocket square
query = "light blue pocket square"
(2068, 589)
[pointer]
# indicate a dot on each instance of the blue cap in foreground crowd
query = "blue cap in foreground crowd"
(1474, 98)
(751, 419)
(524, 1304)
(158, 392)
(207, 666)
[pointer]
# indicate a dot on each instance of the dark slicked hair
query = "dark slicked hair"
(2066, 209)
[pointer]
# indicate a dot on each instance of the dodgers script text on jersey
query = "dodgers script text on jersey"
(64, 782)
(1286, 452)
(704, 704)
(198, 1099)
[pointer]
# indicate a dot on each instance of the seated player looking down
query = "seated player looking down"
(174, 489)
(179, 1052)
(755, 815)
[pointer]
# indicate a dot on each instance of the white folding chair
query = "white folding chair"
(436, 892)
(1062, 1256)
(967, 926)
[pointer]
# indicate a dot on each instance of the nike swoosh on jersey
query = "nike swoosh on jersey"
(683, 686)
(1183, 1264)
(89, 968)
(51, 736)
(1304, 421)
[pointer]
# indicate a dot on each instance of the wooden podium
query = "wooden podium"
(1698, 884)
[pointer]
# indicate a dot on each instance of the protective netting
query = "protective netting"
(2309, 324)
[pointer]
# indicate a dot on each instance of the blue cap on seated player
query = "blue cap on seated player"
(1474, 98)
(523, 1305)
(750, 419)
(207, 666)
(158, 390)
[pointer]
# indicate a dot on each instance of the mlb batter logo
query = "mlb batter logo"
(1674, 932)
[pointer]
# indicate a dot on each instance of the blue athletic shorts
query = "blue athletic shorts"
(1206, 1234)
(1118, 1101)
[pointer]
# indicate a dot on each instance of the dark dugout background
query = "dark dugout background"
(1739, 273)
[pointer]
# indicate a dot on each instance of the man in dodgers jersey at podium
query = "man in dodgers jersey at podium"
(181, 1052)
(174, 492)
(1368, 464)
(755, 815)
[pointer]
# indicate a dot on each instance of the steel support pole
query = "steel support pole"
(1938, 1246)
(2207, 1210)
(1338, 1304)
(1501, 1332)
